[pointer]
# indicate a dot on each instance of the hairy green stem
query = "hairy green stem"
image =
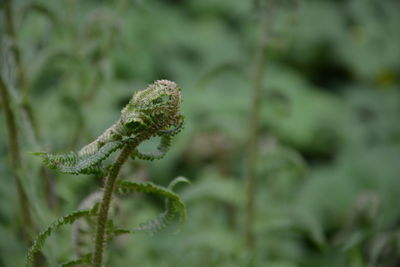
(252, 153)
(102, 218)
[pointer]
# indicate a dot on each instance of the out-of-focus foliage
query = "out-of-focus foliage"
(328, 171)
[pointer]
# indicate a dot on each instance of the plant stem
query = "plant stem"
(15, 156)
(252, 153)
(21, 74)
(106, 200)
(25, 105)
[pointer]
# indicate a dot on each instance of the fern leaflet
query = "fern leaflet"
(173, 205)
(85, 259)
(74, 163)
(162, 149)
(41, 238)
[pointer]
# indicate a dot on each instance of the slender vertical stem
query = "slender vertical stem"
(15, 50)
(102, 218)
(22, 82)
(25, 105)
(15, 156)
(252, 153)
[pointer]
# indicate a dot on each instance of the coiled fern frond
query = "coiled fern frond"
(152, 112)
(173, 204)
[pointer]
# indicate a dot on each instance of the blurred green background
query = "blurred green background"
(328, 165)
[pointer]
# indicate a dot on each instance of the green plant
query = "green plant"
(21, 77)
(267, 12)
(16, 162)
(154, 111)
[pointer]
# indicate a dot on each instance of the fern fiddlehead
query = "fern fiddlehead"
(152, 112)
